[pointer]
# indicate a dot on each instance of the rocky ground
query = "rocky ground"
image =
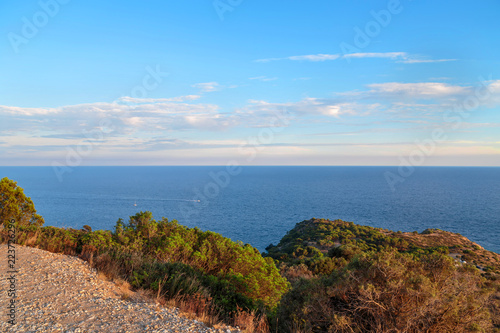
(60, 293)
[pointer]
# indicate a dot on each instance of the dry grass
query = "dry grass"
(32, 240)
(458, 245)
(296, 272)
(436, 238)
(201, 309)
(197, 307)
(125, 288)
(102, 276)
(250, 322)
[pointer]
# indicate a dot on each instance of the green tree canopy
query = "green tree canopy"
(14, 204)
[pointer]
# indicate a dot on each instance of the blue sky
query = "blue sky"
(253, 82)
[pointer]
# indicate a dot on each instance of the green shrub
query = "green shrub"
(167, 241)
(172, 260)
(15, 205)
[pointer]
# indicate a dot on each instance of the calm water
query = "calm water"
(260, 204)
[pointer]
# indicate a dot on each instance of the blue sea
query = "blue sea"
(258, 205)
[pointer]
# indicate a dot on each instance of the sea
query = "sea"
(259, 204)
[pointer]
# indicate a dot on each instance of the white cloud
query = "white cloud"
(157, 100)
(421, 101)
(494, 86)
(127, 116)
(134, 121)
(19, 111)
(181, 124)
(402, 57)
(420, 61)
(257, 111)
(131, 115)
(390, 55)
(270, 59)
(433, 91)
(315, 57)
(412, 102)
(329, 107)
(207, 86)
(417, 90)
(310, 57)
(263, 78)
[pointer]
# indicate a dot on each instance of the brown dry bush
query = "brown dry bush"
(251, 322)
(196, 307)
(494, 305)
(295, 272)
(390, 292)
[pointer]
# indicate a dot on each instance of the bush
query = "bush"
(173, 261)
(389, 292)
(168, 241)
(15, 205)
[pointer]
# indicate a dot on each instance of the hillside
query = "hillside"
(352, 278)
(311, 237)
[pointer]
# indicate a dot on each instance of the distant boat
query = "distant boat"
(135, 204)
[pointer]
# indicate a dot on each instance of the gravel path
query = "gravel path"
(59, 293)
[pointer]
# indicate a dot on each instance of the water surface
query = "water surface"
(260, 204)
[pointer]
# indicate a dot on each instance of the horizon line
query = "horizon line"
(250, 165)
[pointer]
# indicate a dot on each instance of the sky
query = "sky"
(164, 82)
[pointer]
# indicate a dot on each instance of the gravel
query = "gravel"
(61, 293)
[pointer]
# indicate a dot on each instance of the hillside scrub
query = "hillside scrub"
(352, 278)
(230, 279)
(389, 292)
(321, 243)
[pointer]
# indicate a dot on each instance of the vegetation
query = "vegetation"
(351, 278)
(317, 243)
(323, 276)
(389, 292)
(173, 261)
(14, 205)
